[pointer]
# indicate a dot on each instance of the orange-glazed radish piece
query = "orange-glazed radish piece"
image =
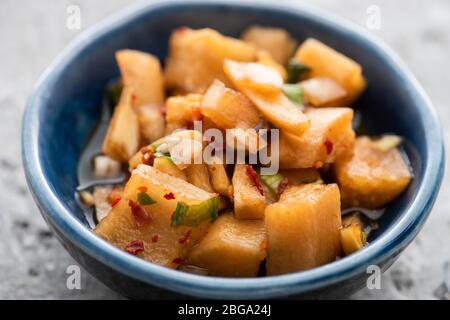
(330, 136)
(145, 214)
(353, 237)
(266, 59)
(219, 178)
(303, 228)
(376, 174)
(122, 137)
(228, 108)
(142, 72)
(323, 92)
(257, 77)
(231, 248)
(324, 61)
(263, 86)
(196, 58)
(301, 176)
(198, 175)
(249, 199)
(166, 165)
(276, 41)
(151, 122)
(181, 111)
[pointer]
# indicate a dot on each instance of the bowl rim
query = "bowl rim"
(388, 244)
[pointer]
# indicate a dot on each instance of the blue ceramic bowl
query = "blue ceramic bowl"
(64, 108)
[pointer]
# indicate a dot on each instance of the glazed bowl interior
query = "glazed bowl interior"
(65, 108)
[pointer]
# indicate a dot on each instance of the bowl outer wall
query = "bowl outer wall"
(388, 244)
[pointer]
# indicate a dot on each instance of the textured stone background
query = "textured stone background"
(33, 263)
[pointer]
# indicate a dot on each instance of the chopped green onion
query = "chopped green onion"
(297, 71)
(163, 155)
(158, 154)
(272, 181)
(144, 199)
(193, 215)
(294, 92)
(114, 92)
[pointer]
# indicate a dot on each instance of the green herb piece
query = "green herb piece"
(114, 92)
(144, 199)
(163, 155)
(297, 71)
(272, 181)
(158, 154)
(294, 92)
(193, 215)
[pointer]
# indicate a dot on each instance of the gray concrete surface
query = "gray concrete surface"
(33, 263)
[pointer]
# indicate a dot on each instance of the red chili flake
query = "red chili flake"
(142, 189)
(114, 196)
(145, 149)
(283, 185)
(213, 168)
(135, 247)
(147, 156)
(251, 173)
(155, 238)
(115, 202)
(188, 125)
(169, 196)
(185, 237)
(329, 145)
(133, 97)
(178, 260)
(141, 216)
